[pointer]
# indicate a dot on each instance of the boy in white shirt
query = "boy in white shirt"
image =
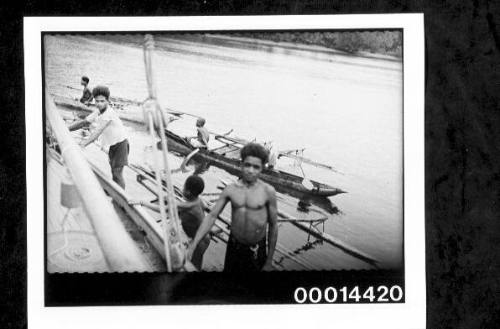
(110, 130)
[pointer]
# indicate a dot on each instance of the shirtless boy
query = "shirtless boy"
(191, 214)
(253, 216)
(202, 134)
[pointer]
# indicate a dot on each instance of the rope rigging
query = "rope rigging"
(157, 122)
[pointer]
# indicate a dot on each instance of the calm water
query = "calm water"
(345, 111)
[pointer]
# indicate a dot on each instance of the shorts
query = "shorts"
(244, 258)
(118, 154)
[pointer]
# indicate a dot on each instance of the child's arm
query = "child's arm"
(156, 207)
(184, 204)
(78, 125)
(83, 122)
(95, 134)
(272, 233)
(149, 205)
(208, 222)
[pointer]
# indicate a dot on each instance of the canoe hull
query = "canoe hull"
(279, 179)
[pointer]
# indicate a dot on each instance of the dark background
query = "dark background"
(462, 142)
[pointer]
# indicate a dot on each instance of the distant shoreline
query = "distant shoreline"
(313, 44)
(243, 40)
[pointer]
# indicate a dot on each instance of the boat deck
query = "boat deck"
(72, 245)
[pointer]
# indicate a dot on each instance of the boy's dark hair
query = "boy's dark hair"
(86, 79)
(255, 150)
(195, 185)
(200, 121)
(101, 91)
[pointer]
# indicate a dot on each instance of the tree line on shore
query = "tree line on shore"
(386, 42)
(376, 42)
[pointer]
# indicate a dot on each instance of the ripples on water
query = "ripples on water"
(346, 111)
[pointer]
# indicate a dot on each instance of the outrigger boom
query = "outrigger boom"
(290, 154)
(311, 229)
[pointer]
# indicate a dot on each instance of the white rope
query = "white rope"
(161, 198)
(156, 120)
(65, 245)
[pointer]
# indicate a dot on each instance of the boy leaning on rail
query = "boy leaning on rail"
(191, 214)
(110, 130)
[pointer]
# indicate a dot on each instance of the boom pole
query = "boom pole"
(119, 250)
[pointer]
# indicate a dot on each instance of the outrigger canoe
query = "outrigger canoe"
(283, 181)
(279, 179)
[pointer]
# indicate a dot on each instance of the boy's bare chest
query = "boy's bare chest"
(253, 198)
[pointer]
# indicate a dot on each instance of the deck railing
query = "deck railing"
(120, 252)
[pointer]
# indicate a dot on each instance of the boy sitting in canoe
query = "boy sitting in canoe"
(191, 214)
(202, 135)
(87, 94)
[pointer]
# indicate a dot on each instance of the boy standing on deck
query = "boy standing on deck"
(191, 214)
(254, 213)
(111, 130)
(87, 94)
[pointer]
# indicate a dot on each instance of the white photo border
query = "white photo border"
(410, 314)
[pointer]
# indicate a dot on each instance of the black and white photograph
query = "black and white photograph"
(233, 149)
(321, 127)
